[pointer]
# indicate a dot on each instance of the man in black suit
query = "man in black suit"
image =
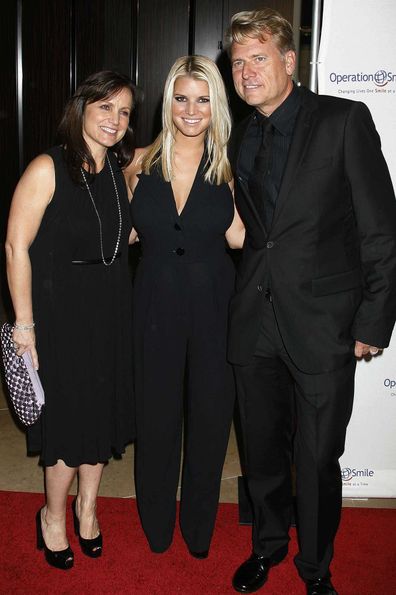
(316, 288)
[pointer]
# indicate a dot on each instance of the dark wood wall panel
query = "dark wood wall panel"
(162, 36)
(285, 7)
(8, 136)
(46, 71)
(8, 112)
(104, 37)
(208, 26)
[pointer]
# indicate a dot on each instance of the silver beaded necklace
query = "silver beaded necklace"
(107, 264)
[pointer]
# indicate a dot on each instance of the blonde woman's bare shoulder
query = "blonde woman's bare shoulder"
(134, 169)
(140, 154)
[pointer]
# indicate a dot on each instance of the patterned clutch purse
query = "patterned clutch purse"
(22, 380)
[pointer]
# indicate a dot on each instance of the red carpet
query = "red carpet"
(365, 560)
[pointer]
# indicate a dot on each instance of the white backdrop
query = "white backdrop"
(357, 60)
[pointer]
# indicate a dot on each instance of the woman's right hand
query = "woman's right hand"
(133, 237)
(26, 341)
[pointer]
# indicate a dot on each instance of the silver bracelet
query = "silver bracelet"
(23, 327)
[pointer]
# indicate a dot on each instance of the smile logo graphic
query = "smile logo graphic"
(358, 474)
(381, 78)
(346, 474)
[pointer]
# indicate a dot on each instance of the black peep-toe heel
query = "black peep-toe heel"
(90, 547)
(63, 559)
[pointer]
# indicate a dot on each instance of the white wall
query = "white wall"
(357, 60)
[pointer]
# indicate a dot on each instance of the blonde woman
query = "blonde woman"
(183, 211)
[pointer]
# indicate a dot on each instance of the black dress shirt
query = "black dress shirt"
(283, 120)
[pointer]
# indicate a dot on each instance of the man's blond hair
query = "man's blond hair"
(259, 24)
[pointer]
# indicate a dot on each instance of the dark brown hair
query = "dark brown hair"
(98, 86)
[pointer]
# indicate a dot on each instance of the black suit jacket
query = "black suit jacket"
(330, 256)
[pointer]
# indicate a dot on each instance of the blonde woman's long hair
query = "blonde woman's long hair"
(217, 166)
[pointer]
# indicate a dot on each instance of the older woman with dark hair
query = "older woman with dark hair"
(67, 265)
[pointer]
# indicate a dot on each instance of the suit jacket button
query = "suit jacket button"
(270, 244)
(177, 227)
(180, 251)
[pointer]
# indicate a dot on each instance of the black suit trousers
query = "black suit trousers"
(289, 417)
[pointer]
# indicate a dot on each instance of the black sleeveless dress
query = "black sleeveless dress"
(182, 287)
(83, 322)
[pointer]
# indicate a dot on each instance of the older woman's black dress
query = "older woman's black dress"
(83, 322)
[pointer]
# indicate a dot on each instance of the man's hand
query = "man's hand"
(362, 349)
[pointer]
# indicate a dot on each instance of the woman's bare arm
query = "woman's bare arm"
(235, 234)
(30, 200)
(131, 177)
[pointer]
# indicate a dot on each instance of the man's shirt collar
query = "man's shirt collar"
(284, 116)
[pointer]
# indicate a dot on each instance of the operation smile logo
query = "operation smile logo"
(382, 81)
(348, 474)
(391, 384)
(379, 78)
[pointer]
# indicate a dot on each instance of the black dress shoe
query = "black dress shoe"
(63, 559)
(90, 547)
(252, 574)
(320, 586)
(200, 555)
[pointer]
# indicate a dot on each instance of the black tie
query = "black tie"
(261, 186)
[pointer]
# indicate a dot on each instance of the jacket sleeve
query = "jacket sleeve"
(374, 206)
